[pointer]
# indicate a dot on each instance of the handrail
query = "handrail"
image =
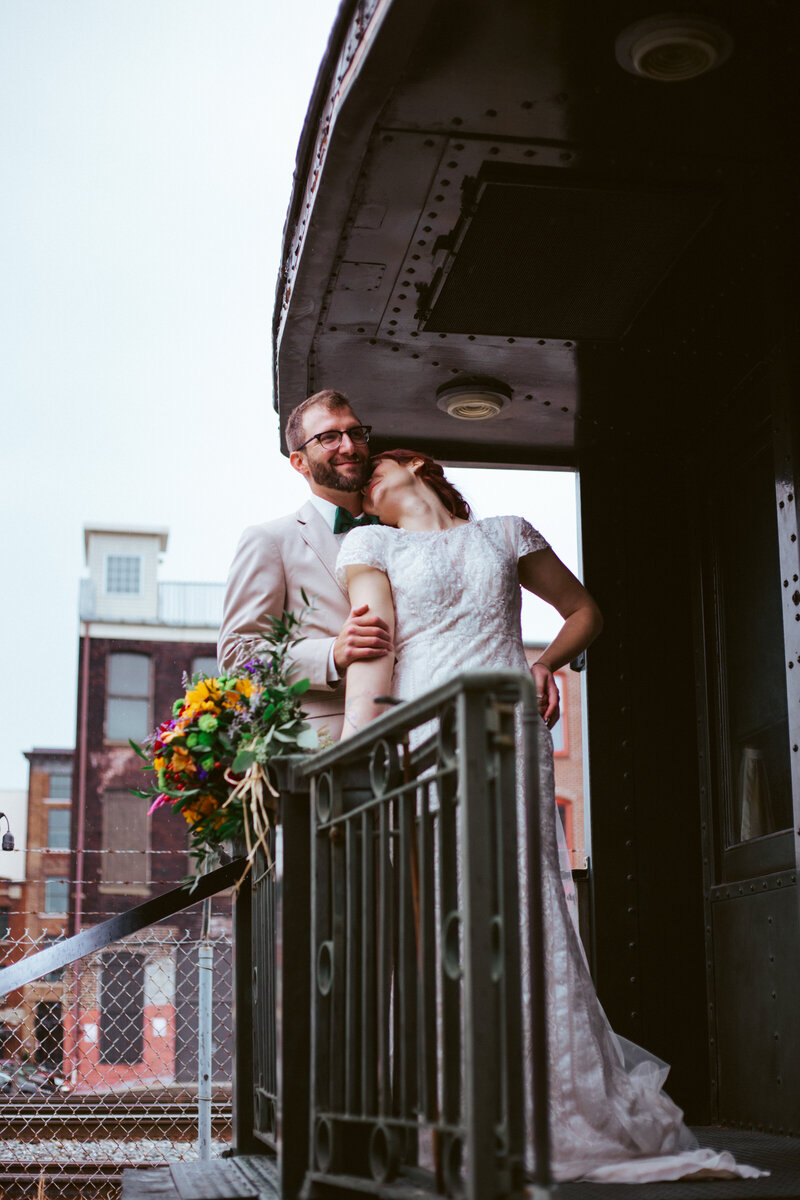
(414, 712)
(97, 937)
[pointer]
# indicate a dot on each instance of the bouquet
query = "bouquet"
(211, 758)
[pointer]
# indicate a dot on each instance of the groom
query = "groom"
(274, 562)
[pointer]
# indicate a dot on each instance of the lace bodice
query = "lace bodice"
(456, 595)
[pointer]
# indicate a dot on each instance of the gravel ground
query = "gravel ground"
(103, 1150)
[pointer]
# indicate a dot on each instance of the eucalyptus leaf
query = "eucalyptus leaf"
(307, 739)
(243, 760)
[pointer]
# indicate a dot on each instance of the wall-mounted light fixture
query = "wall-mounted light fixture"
(673, 47)
(8, 837)
(473, 398)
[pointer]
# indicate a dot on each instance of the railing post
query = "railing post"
(531, 723)
(243, 1085)
(294, 975)
(481, 1050)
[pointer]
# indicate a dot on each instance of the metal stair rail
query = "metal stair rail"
(416, 1050)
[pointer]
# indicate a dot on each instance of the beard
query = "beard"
(327, 475)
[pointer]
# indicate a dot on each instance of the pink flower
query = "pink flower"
(157, 803)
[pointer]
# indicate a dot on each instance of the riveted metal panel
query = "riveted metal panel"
(757, 1001)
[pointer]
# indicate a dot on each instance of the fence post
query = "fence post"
(243, 1085)
(205, 969)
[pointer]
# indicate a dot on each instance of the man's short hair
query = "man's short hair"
(328, 399)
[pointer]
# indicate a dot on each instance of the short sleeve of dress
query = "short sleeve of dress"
(528, 539)
(365, 546)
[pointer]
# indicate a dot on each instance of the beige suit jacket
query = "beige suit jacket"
(273, 562)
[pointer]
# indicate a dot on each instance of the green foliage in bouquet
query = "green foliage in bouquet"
(211, 758)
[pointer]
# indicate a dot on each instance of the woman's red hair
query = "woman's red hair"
(431, 473)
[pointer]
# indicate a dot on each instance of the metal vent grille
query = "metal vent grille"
(545, 261)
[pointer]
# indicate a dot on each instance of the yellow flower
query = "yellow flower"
(243, 688)
(202, 693)
(159, 763)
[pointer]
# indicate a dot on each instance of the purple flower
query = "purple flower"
(202, 775)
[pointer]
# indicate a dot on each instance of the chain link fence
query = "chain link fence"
(99, 1060)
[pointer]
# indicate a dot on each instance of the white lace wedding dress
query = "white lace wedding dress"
(457, 608)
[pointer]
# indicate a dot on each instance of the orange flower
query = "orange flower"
(182, 761)
(202, 806)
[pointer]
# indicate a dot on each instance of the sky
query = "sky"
(147, 151)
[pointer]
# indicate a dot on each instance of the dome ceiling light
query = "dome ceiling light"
(673, 47)
(473, 399)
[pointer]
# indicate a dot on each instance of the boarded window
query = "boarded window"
(124, 574)
(122, 1008)
(125, 839)
(48, 1031)
(56, 895)
(58, 825)
(128, 697)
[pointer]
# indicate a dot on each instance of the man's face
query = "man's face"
(343, 469)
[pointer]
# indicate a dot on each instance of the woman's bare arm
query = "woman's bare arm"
(368, 678)
(544, 574)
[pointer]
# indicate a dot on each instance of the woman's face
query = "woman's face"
(387, 477)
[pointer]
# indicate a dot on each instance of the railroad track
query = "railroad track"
(64, 1181)
(73, 1120)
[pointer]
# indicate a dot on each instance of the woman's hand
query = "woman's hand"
(547, 696)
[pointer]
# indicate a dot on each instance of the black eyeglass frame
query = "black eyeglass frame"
(317, 437)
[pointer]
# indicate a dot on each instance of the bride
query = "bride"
(448, 588)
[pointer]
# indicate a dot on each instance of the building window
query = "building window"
(122, 1008)
(3, 924)
(125, 840)
(56, 895)
(205, 664)
(60, 787)
(128, 697)
(124, 574)
(58, 825)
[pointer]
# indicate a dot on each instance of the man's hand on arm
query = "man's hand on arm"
(362, 636)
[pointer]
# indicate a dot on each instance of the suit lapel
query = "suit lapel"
(316, 533)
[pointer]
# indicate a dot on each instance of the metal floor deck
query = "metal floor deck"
(778, 1155)
(249, 1178)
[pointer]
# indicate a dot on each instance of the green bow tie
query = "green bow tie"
(344, 521)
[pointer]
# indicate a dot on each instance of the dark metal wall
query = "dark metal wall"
(485, 190)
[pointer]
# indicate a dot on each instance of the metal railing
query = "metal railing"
(120, 1054)
(407, 989)
(382, 1034)
(190, 604)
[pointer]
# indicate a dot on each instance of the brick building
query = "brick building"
(568, 755)
(138, 638)
(133, 1016)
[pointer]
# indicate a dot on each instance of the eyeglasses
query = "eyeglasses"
(331, 439)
